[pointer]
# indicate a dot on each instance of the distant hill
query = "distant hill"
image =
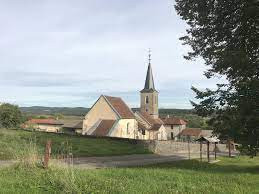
(189, 115)
(41, 110)
(81, 111)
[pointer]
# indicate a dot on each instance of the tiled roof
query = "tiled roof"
(150, 119)
(75, 124)
(45, 121)
(206, 133)
(155, 127)
(174, 121)
(196, 132)
(121, 107)
(103, 128)
(141, 126)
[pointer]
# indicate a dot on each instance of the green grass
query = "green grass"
(12, 142)
(230, 175)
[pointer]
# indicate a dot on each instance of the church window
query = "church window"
(128, 128)
(147, 99)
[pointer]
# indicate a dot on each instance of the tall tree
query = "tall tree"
(10, 116)
(225, 33)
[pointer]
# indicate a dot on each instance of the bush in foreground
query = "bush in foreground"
(10, 116)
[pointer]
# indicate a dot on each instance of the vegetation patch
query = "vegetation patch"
(14, 143)
(230, 175)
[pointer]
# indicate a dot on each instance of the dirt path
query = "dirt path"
(125, 161)
(122, 161)
(5, 163)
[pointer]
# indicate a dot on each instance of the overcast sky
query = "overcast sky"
(67, 53)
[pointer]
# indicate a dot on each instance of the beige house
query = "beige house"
(174, 126)
(47, 125)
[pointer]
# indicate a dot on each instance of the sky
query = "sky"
(67, 53)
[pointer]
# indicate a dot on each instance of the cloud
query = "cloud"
(66, 53)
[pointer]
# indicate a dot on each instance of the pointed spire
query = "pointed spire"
(149, 83)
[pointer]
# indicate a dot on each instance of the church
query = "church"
(111, 116)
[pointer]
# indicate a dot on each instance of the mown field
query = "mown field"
(230, 175)
(14, 143)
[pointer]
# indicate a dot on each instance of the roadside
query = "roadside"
(122, 161)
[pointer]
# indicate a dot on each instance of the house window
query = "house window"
(172, 135)
(143, 132)
(128, 128)
(147, 100)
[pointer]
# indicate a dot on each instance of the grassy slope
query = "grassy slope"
(235, 175)
(12, 141)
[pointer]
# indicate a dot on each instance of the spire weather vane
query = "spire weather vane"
(149, 56)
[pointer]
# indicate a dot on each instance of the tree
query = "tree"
(10, 116)
(225, 34)
(58, 116)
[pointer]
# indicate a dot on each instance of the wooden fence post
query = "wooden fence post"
(200, 150)
(215, 151)
(208, 151)
(229, 149)
(47, 154)
(189, 151)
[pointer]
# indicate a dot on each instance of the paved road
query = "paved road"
(123, 161)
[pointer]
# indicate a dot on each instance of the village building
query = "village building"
(110, 116)
(191, 134)
(174, 126)
(47, 125)
(72, 126)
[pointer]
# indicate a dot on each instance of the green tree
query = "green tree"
(225, 34)
(58, 116)
(10, 116)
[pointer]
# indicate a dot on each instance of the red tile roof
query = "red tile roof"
(155, 127)
(121, 107)
(141, 126)
(45, 121)
(103, 128)
(196, 132)
(150, 119)
(174, 121)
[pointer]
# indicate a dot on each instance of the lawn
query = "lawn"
(16, 142)
(230, 175)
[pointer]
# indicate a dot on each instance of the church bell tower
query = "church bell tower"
(149, 95)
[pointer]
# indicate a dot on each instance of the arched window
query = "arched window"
(147, 99)
(128, 124)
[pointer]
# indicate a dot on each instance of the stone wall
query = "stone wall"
(173, 147)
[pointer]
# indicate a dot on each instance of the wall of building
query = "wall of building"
(126, 128)
(100, 111)
(152, 106)
(176, 130)
(164, 133)
(48, 128)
